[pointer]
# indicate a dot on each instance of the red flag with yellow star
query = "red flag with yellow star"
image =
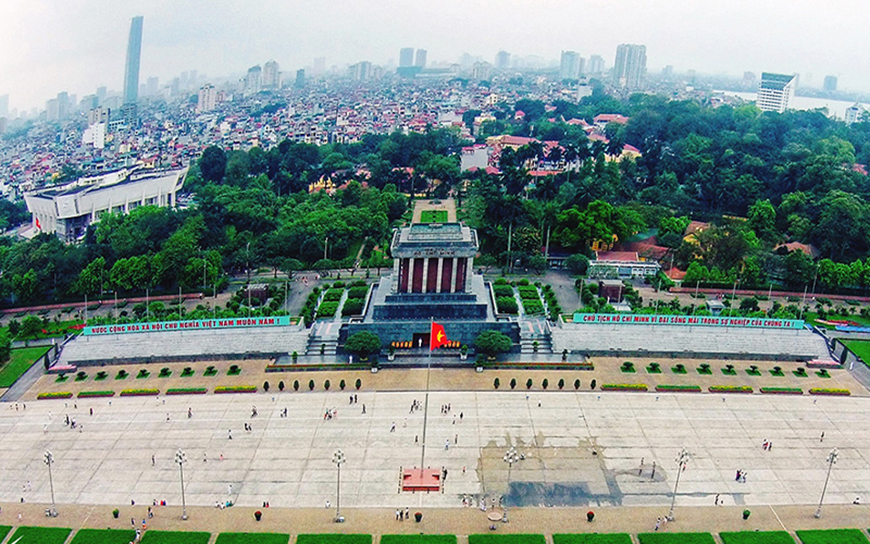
(437, 337)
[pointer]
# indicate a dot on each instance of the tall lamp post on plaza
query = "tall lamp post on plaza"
(49, 459)
(832, 458)
(682, 459)
(181, 458)
(338, 459)
(510, 457)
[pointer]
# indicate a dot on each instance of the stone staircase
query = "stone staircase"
(535, 330)
(324, 336)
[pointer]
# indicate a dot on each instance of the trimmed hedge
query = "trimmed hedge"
(831, 392)
(624, 387)
(730, 389)
(140, 392)
(236, 389)
(782, 390)
(679, 388)
(95, 394)
(187, 391)
(55, 395)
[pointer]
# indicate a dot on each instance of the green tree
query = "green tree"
(492, 343)
(90, 280)
(213, 164)
(5, 346)
(762, 220)
(31, 326)
(363, 343)
(577, 263)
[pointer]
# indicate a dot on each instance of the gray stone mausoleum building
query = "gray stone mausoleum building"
(432, 278)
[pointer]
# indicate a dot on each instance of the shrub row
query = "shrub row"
(624, 387)
(679, 388)
(236, 389)
(139, 392)
(95, 394)
(730, 389)
(782, 390)
(187, 391)
(833, 392)
(55, 395)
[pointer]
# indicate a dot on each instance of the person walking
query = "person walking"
(658, 523)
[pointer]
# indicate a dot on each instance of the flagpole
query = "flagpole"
(426, 399)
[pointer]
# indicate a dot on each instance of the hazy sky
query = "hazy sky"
(47, 46)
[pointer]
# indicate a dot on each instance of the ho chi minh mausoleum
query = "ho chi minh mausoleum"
(432, 278)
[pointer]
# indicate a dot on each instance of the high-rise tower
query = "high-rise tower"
(629, 70)
(134, 51)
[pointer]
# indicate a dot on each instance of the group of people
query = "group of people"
(402, 516)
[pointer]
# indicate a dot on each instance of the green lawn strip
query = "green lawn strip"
(4, 530)
(861, 348)
(103, 536)
(18, 363)
(757, 537)
(252, 538)
(332, 539)
(506, 539)
(175, 537)
(675, 538)
(418, 539)
(40, 535)
(832, 536)
(615, 538)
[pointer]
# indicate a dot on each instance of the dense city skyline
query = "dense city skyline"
(51, 46)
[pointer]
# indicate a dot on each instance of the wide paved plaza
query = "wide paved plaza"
(579, 448)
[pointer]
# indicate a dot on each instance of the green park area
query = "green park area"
(756, 537)
(433, 216)
(832, 536)
(175, 537)
(418, 539)
(861, 348)
(675, 538)
(333, 539)
(40, 535)
(252, 538)
(18, 363)
(616, 538)
(506, 539)
(104, 536)
(4, 530)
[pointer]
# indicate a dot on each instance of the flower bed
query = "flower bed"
(236, 389)
(299, 368)
(95, 394)
(729, 389)
(679, 388)
(547, 366)
(832, 392)
(782, 390)
(140, 392)
(624, 387)
(55, 395)
(187, 391)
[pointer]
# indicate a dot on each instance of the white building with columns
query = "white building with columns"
(67, 211)
(433, 258)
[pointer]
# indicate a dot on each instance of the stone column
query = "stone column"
(453, 275)
(395, 281)
(468, 271)
(410, 288)
(438, 282)
(426, 273)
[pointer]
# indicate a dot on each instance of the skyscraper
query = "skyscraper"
(4, 105)
(830, 84)
(253, 80)
(206, 99)
(502, 60)
(420, 58)
(596, 65)
(134, 51)
(569, 67)
(775, 92)
(271, 75)
(629, 69)
(406, 57)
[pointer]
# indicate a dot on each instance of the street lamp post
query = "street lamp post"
(49, 459)
(181, 458)
(510, 457)
(832, 458)
(682, 459)
(338, 459)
